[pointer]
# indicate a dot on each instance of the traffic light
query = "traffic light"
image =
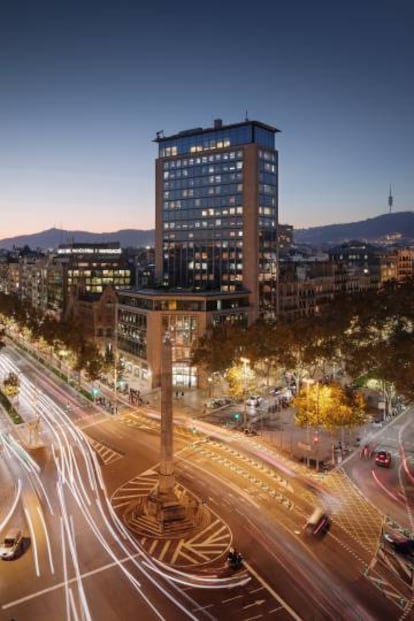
(315, 439)
(95, 391)
(236, 415)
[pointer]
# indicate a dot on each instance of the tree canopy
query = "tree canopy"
(329, 406)
(370, 331)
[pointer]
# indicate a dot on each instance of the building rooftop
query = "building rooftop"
(218, 125)
(176, 293)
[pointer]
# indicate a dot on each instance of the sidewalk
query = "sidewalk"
(279, 429)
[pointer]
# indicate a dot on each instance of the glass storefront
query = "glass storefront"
(184, 376)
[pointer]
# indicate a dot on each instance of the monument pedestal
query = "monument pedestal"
(164, 508)
(165, 514)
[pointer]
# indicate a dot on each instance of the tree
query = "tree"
(219, 348)
(11, 385)
(329, 406)
(294, 350)
(241, 380)
(89, 360)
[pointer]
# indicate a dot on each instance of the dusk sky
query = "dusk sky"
(85, 86)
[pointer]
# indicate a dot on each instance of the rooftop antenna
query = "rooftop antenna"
(247, 116)
(390, 200)
(160, 134)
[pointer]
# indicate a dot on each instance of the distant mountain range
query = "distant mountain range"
(53, 237)
(398, 226)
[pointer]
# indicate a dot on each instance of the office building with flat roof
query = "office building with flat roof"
(217, 211)
(215, 245)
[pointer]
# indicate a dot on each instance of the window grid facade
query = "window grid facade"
(217, 210)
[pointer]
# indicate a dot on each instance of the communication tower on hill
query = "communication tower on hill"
(390, 200)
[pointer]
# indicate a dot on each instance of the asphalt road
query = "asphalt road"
(88, 568)
(81, 563)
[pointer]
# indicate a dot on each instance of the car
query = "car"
(318, 523)
(383, 458)
(213, 403)
(11, 544)
(254, 401)
(248, 431)
(218, 403)
(402, 545)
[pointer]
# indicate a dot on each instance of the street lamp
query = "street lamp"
(115, 384)
(245, 362)
(115, 354)
(307, 381)
(63, 353)
(210, 386)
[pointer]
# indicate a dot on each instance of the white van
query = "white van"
(11, 544)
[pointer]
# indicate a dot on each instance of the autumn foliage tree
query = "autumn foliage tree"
(241, 380)
(329, 406)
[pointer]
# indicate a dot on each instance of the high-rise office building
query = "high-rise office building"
(217, 211)
(215, 246)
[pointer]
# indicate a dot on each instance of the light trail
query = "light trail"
(34, 542)
(30, 466)
(73, 605)
(409, 475)
(14, 505)
(75, 456)
(73, 551)
(65, 569)
(385, 489)
(49, 549)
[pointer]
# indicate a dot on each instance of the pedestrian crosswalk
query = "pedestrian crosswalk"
(105, 454)
(206, 544)
(136, 488)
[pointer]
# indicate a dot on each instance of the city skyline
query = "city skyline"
(84, 94)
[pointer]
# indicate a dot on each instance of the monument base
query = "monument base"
(165, 508)
(165, 515)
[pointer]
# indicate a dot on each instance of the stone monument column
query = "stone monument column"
(168, 510)
(162, 505)
(167, 479)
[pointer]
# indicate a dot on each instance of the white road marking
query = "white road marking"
(231, 599)
(203, 607)
(49, 549)
(277, 597)
(258, 602)
(258, 589)
(55, 587)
